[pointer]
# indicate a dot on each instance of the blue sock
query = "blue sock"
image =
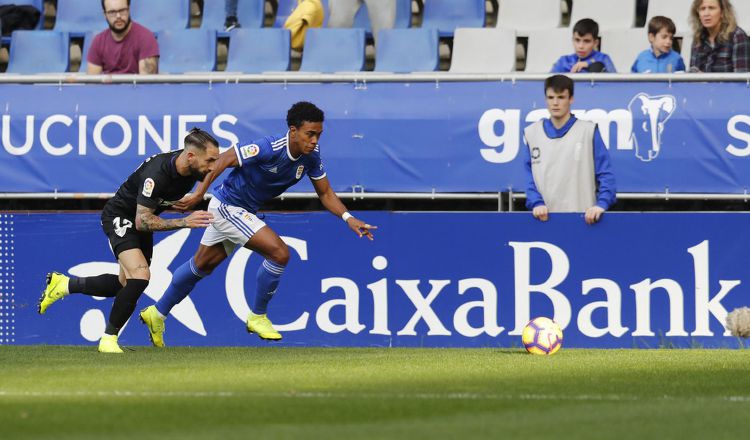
(183, 281)
(269, 275)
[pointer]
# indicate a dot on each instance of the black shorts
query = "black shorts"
(123, 236)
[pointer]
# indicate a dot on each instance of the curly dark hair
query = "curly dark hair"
(302, 112)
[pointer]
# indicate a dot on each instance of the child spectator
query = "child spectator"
(660, 58)
(586, 58)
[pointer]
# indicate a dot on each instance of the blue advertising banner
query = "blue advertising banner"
(383, 137)
(428, 279)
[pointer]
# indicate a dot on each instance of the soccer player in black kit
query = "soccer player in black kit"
(129, 220)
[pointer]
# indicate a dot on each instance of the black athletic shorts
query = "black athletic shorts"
(123, 236)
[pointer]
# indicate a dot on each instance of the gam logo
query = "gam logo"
(638, 127)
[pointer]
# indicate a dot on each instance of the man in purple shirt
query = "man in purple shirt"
(126, 47)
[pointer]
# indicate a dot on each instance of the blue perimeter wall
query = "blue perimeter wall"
(429, 279)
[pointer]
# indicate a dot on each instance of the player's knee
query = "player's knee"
(141, 273)
(280, 254)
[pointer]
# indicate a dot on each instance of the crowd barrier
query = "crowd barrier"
(418, 134)
(428, 279)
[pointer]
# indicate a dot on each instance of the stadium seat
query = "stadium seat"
(187, 50)
(258, 50)
(407, 50)
(545, 47)
(283, 11)
(76, 17)
(677, 10)
(334, 50)
(483, 51)
(403, 17)
(447, 15)
(742, 13)
(161, 15)
(610, 15)
(685, 48)
(525, 15)
(87, 40)
(249, 13)
(623, 46)
(38, 52)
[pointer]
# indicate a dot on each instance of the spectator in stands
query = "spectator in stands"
(719, 45)
(126, 47)
(231, 22)
(566, 162)
(660, 58)
(586, 58)
(307, 14)
(382, 13)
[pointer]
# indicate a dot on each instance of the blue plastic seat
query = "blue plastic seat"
(447, 15)
(258, 50)
(407, 50)
(187, 50)
(77, 17)
(88, 38)
(249, 13)
(161, 15)
(334, 50)
(285, 9)
(403, 17)
(38, 52)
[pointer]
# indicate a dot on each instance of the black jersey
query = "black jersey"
(156, 184)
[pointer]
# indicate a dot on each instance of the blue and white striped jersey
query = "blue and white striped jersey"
(266, 170)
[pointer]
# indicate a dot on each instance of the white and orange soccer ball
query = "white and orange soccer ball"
(542, 336)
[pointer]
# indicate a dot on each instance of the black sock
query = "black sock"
(124, 305)
(106, 285)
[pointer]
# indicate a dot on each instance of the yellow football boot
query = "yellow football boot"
(57, 288)
(108, 344)
(261, 325)
(155, 323)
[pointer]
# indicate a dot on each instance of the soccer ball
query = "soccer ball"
(542, 336)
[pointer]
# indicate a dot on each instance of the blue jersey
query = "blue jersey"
(266, 169)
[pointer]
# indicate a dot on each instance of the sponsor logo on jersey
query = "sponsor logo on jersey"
(248, 151)
(148, 187)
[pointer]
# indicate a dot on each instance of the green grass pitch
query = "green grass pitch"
(54, 392)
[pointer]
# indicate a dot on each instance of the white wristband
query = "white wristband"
(346, 216)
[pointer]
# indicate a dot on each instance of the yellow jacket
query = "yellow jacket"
(308, 13)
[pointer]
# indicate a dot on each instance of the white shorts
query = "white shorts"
(232, 226)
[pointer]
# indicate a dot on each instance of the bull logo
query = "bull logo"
(650, 114)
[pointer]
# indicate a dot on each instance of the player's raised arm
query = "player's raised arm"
(332, 203)
(227, 159)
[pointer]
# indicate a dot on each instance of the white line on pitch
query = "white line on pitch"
(335, 395)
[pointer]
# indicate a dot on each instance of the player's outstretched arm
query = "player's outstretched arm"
(147, 221)
(226, 160)
(332, 203)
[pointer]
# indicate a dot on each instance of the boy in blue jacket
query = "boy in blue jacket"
(586, 58)
(659, 58)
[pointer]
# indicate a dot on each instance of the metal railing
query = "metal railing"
(358, 77)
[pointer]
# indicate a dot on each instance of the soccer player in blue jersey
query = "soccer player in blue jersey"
(262, 170)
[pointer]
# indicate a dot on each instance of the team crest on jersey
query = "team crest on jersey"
(148, 187)
(300, 170)
(248, 151)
